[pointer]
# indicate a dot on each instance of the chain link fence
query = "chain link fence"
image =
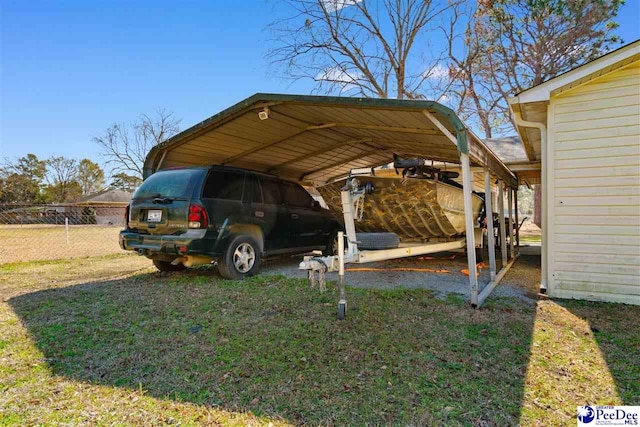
(46, 232)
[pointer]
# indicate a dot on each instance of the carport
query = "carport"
(315, 139)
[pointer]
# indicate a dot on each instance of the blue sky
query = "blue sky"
(69, 69)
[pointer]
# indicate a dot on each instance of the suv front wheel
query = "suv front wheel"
(240, 259)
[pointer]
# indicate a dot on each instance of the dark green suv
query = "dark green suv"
(190, 216)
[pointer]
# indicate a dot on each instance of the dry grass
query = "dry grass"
(110, 341)
(47, 242)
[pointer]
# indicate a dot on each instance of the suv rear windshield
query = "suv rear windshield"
(176, 183)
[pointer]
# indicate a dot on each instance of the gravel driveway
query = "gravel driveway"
(440, 272)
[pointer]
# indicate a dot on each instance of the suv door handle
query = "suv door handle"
(259, 214)
(294, 216)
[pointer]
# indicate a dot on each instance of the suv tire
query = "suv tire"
(167, 266)
(240, 259)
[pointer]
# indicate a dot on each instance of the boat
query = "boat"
(419, 204)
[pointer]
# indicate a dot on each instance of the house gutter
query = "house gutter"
(517, 116)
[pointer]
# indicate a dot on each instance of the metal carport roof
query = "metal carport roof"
(313, 139)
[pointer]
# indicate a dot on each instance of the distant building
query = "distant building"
(106, 206)
(110, 196)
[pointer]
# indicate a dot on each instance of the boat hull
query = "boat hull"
(414, 209)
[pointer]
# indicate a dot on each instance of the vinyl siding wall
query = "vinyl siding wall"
(594, 189)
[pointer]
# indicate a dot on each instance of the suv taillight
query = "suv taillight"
(197, 217)
(126, 216)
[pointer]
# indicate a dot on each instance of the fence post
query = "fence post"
(66, 228)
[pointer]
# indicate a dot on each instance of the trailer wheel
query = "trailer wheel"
(377, 240)
(342, 311)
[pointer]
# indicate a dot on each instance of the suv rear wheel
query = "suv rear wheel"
(167, 266)
(240, 259)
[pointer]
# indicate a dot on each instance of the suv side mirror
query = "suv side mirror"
(315, 204)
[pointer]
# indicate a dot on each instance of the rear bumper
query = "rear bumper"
(194, 240)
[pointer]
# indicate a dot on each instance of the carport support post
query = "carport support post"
(515, 211)
(503, 234)
(468, 217)
(342, 303)
(488, 203)
(512, 245)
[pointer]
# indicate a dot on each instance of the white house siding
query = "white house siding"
(594, 189)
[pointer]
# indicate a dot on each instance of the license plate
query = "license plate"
(154, 215)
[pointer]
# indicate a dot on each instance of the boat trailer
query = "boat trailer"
(352, 197)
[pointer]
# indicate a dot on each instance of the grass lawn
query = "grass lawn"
(109, 341)
(530, 238)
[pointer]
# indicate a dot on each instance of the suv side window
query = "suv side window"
(296, 196)
(270, 191)
(252, 182)
(226, 185)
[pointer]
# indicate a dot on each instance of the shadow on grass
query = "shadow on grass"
(615, 328)
(272, 346)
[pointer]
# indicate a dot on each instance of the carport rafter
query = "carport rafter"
(328, 126)
(339, 163)
(277, 141)
(440, 126)
(399, 129)
(318, 152)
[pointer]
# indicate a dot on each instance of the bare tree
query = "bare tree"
(468, 82)
(62, 176)
(501, 47)
(125, 146)
(361, 47)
